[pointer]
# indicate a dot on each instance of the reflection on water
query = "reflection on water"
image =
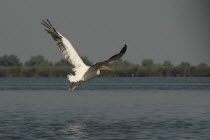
(118, 108)
(74, 131)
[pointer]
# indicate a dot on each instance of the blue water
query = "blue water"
(105, 109)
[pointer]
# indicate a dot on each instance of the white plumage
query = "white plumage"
(79, 67)
(82, 71)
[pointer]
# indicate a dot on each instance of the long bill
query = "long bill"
(103, 68)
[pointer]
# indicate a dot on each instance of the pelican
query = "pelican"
(81, 70)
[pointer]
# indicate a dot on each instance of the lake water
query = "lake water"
(105, 109)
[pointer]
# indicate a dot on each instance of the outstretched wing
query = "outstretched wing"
(114, 57)
(64, 45)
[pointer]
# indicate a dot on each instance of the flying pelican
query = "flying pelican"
(82, 71)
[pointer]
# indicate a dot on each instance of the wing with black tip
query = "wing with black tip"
(114, 57)
(64, 45)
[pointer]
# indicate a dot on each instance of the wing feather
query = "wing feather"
(64, 45)
(114, 57)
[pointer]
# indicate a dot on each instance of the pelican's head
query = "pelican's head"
(104, 68)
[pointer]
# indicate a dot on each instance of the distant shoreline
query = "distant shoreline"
(120, 71)
(38, 66)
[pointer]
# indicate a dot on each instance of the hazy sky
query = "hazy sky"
(176, 30)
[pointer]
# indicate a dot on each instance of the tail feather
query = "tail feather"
(72, 78)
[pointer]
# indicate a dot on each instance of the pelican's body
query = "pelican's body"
(82, 71)
(89, 74)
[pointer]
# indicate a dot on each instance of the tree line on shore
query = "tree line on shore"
(38, 66)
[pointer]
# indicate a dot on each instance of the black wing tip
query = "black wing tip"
(124, 49)
(44, 20)
(47, 23)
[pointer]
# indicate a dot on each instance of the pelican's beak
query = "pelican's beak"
(103, 68)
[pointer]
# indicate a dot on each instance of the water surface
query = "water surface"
(105, 108)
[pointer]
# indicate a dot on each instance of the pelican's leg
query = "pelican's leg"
(77, 85)
(70, 87)
(73, 88)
